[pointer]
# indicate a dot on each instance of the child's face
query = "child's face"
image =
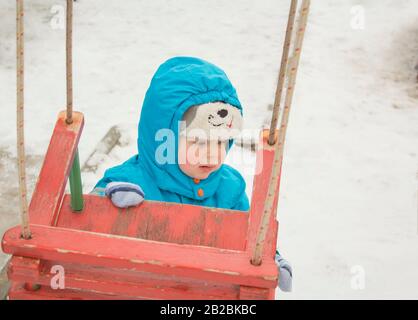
(198, 159)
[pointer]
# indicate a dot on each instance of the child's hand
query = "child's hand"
(124, 194)
(285, 273)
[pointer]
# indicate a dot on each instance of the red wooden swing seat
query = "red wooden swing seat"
(154, 251)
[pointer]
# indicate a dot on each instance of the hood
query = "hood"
(178, 84)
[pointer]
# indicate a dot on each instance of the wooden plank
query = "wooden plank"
(50, 187)
(18, 292)
(264, 162)
(28, 267)
(160, 221)
(198, 262)
(138, 285)
(252, 293)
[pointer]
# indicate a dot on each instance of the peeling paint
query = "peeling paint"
(29, 246)
(136, 261)
(232, 273)
(155, 262)
(66, 251)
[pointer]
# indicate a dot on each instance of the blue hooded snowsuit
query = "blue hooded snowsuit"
(178, 84)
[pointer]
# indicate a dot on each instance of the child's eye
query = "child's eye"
(195, 141)
(200, 142)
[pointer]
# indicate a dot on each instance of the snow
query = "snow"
(348, 204)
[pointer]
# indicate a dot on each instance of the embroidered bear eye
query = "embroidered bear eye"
(223, 113)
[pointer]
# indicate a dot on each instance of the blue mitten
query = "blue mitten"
(124, 194)
(285, 273)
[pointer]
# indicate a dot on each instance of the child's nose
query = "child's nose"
(213, 159)
(213, 154)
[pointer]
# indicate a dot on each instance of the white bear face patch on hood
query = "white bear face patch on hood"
(212, 121)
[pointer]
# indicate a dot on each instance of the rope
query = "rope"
(25, 232)
(293, 64)
(282, 72)
(69, 61)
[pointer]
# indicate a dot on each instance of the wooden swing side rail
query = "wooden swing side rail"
(265, 155)
(103, 250)
(50, 186)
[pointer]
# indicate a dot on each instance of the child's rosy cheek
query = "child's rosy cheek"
(188, 166)
(193, 155)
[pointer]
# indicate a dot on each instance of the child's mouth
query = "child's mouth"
(207, 167)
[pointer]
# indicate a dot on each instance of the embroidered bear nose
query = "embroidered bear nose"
(223, 113)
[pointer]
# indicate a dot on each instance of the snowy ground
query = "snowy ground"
(348, 203)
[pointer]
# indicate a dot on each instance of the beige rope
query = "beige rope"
(26, 234)
(293, 64)
(69, 60)
(282, 72)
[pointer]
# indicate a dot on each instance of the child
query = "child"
(189, 118)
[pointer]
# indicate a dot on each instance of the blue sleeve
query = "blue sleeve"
(99, 188)
(108, 176)
(102, 182)
(99, 192)
(121, 172)
(243, 204)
